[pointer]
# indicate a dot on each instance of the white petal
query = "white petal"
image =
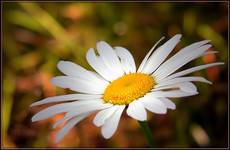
(99, 77)
(127, 60)
(64, 107)
(69, 125)
(147, 56)
(81, 108)
(193, 46)
(210, 52)
(101, 116)
(173, 93)
(188, 87)
(111, 124)
(184, 86)
(168, 103)
(177, 61)
(160, 54)
(181, 79)
(74, 70)
(65, 119)
(87, 108)
(78, 85)
(190, 70)
(110, 58)
(137, 111)
(71, 69)
(51, 111)
(69, 97)
(153, 104)
(98, 65)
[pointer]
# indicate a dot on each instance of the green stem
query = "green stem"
(146, 130)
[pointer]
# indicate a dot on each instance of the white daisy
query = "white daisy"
(117, 84)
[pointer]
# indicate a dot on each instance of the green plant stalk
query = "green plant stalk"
(146, 130)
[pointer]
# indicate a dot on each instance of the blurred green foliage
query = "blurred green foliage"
(37, 35)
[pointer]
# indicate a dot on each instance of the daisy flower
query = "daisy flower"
(117, 84)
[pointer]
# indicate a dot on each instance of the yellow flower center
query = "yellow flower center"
(128, 88)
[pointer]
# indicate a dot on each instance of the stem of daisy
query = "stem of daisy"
(146, 130)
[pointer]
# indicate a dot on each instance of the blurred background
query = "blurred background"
(37, 35)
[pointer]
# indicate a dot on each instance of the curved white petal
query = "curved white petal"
(99, 77)
(160, 54)
(71, 69)
(51, 111)
(188, 87)
(185, 51)
(177, 61)
(69, 125)
(192, 46)
(69, 97)
(127, 60)
(110, 58)
(168, 103)
(74, 70)
(137, 111)
(148, 55)
(97, 64)
(181, 79)
(66, 118)
(81, 108)
(153, 104)
(79, 85)
(111, 124)
(87, 108)
(101, 116)
(184, 86)
(64, 107)
(190, 70)
(210, 52)
(173, 93)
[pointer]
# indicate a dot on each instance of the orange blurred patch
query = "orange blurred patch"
(48, 88)
(74, 12)
(24, 84)
(213, 72)
(27, 83)
(57, 117)
(209, 58)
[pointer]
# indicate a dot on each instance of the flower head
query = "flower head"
(117, 84)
